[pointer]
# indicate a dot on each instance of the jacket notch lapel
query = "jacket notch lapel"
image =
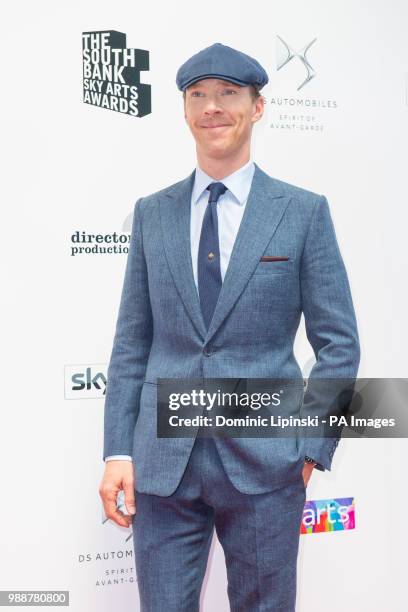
(264, 210)
(175, 226)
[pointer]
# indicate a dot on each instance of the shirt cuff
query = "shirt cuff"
(120, 457)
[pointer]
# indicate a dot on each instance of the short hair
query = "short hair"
(255, 93)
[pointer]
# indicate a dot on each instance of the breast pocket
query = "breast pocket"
(281, 262)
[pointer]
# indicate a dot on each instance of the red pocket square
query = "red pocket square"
(273, 258)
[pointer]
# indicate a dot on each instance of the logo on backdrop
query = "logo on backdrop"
(107, 568)
(285, 54)
(87, 243)
(323, 515)
(298, 66)
(115, 565)
(85, 381)
(111, 74)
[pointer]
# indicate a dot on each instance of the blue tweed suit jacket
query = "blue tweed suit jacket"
(160, 332)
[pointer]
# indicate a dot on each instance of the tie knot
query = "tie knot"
(216, 190)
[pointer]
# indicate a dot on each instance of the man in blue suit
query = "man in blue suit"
(221, 266)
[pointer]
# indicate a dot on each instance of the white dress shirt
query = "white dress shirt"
(230, 209)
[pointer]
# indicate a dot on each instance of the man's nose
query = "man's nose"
(212, 104)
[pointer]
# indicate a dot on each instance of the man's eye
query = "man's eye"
(229, 91)
(196, 94)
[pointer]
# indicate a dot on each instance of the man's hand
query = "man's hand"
(307, 472)
(118, 475)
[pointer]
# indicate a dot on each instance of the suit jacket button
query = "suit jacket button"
(207, 351)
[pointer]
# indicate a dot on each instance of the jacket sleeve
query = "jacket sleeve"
(131, 348)
(331, 327)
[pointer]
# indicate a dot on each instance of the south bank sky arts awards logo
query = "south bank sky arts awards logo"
(111, 80)
(111, 74)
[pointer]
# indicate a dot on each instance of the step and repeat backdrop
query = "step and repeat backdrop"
(82, 141)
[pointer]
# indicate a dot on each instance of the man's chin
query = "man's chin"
(217, 149)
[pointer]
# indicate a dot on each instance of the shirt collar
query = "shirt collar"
(238, 183)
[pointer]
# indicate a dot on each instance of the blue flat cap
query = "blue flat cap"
(221, 62)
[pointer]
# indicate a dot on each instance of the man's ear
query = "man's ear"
(259, 109)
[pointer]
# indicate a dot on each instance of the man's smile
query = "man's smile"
(218, 125)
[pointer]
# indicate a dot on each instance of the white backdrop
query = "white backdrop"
(73, 167)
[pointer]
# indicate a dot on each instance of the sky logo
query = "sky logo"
(85, 381)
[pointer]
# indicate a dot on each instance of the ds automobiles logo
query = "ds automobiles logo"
(285, 54)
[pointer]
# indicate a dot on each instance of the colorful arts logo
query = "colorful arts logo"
(322, 515)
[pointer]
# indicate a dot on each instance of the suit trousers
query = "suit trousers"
(259, 535)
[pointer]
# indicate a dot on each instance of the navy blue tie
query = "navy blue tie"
(209, 269)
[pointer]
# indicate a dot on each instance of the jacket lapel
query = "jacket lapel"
(264, 209)
(175, 224)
